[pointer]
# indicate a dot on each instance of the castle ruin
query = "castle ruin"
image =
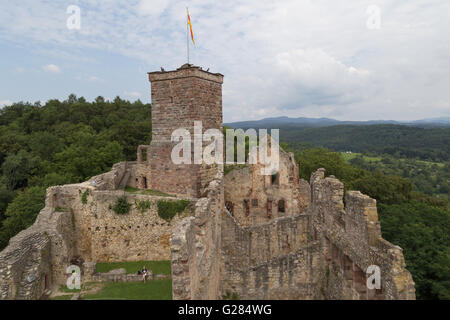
(280, 238)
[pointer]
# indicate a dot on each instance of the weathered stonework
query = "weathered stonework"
(283, 238)
(68, 231)
(256, 198)
(322, 252)
(179, 98)
(195, 247)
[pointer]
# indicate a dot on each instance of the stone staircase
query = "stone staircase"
(125, 177)
(29, 276)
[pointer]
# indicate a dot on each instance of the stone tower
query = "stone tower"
(179, 98)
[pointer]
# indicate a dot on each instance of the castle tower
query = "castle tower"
(179, 98)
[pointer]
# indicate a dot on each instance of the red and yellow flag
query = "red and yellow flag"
(190, 27)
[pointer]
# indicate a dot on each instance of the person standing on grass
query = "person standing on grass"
(144, 273)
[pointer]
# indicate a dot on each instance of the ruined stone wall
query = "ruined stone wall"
(195, 247)
(322, 253)
(274, 260)
(36, 258)
(70, 230)
(351, 242)
(255, 198)
(103, 235)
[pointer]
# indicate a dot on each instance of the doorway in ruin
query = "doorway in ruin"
(281, 206)
(55, 200)
(246, 207)
(269, 209)
(144, 182)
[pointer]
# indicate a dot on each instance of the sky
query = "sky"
(341, 59)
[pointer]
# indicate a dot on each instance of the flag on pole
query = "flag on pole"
(190, 27)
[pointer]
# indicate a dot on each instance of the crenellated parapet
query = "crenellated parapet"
(352, 242)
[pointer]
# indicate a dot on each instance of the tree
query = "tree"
(18, 167)
(21, 213)
(423, 231)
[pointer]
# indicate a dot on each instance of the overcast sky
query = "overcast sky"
(313, 58)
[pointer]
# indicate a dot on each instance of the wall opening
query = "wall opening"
(246, 207)
(144, 182)
(55, 200)
(281, 206)
(269, 209)
(275, 179)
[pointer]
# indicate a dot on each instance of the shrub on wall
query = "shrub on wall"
(168, 209)
(84, 196)
(121, 206)
(142, 205)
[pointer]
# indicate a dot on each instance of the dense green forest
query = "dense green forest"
(406, 169)
(59, 143)
(431, 178)
(401, 141)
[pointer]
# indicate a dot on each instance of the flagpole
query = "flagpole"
(187, 34)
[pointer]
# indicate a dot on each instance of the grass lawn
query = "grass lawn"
(151, 290)
(147, 191)
(350, 156)
(160, 267)
(64, 297)
(63, 288)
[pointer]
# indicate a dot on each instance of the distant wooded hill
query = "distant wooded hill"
(325, 122)
(425, 142)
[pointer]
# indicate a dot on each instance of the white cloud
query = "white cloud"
(132, 94)
(52, 68)
(290, 57)
(94, 79)
(5, 103)
(152, 7)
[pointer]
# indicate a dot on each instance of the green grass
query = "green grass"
(147, 191)
(159, 267)
(63, 288)
(350, 156)
(151, 290)
(64, 297)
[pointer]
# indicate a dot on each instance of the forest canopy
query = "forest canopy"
(59, 143)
